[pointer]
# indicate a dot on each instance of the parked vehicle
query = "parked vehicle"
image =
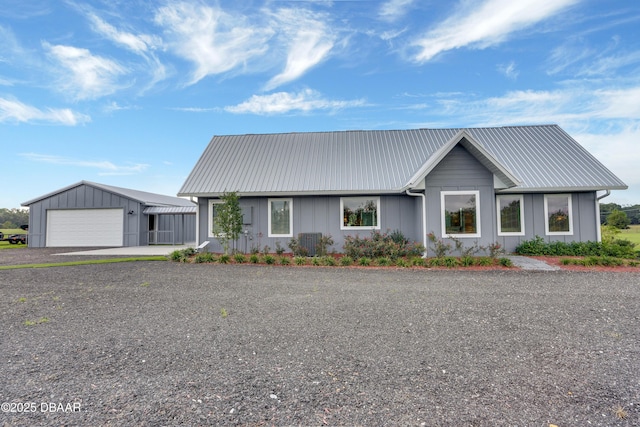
(1, 236)
(14, 239)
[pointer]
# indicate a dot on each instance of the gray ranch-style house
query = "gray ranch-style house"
(92, 214)
(480, 185)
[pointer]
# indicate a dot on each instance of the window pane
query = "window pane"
(280, 217)
(510, 221)
(558, 211)
(359, 212)
(214, 213)
(460, 213)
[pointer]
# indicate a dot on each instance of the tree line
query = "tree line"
(619, 216)
(13, 218)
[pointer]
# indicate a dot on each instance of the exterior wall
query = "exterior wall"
(174, 228)
(583, 216)
(315, 214)
(84, 197)
(459, 171)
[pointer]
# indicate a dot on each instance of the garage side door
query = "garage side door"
(85, 227)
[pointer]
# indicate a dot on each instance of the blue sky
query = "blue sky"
(129, 93)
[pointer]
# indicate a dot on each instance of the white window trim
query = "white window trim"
(443, 220)
(358, 227)
(290, 234)
(210, 213)
(546, 216)
(510, 233)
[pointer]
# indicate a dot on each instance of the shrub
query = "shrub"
(440, 248)
(364, 261)
(283, 260)
(466, 261)
(182, 255)
(505, 262)
(269, 259)
(436, 262)
(381, 245)
(418, 261)
(450, 261)
(328, 260)
(279, 248)
(618, 248)
(315, 260)
(240, 258)
(401, 262)
(296, 248)
(383, 261)
(204, 257)
(346, 261)
(254, 258)
(323, 244)
(299, 260)
(484, 261)
(224, 259)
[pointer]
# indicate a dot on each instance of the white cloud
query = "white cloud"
(105, 167)
(309, 41)
(509, 70)
(215, 41)
(392, 10)
(139, 44)
(90, 76)
(284, 102)
(486, 25)
(16, 111)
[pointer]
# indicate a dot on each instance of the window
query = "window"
(510, 215)
(280, 218)
(360, 213)
(557, 214)
(212, 215)
(460, 213)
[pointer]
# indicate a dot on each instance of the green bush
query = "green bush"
(204, 257)
(328, 260)
(346, 261)
(284, 260)
(618, 248)
(254, 259)
(383, 261)
(182, 255)
(299, 260)
(378, 245)
(450, 261)
(505, 262)
(364, 261)
(269, 259)
(315, 261)
(240, 258)
(484, 261)
(402, 262)
(466, 261)
(418, 261)
(224, 259)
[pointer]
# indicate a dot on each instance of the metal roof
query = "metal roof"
(530, 158)
(154, 210)
(150, 199)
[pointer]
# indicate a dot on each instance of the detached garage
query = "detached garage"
(88, 214)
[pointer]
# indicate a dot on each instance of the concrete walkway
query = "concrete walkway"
(531, 264)
(132, 250)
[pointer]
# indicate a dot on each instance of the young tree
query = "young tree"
(227, 220)
(618, 219)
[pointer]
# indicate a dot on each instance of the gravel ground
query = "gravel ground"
(160, 343)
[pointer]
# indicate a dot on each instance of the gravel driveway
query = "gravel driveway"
(160, 343)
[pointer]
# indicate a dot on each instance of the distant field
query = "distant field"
(9, 231)
(632, 234)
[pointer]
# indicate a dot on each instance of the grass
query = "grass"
(87, 262)
(632, 234)
(6, 245)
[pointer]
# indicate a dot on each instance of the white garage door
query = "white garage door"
(85, 227)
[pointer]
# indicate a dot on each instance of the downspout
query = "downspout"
(424, 218)
(598, 228)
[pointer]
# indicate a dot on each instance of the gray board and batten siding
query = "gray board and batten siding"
(86, 200)
(315, 170)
